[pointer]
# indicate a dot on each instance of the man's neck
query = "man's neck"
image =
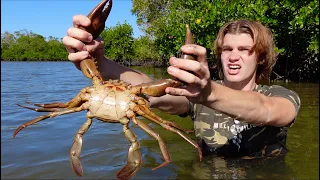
(246, 85)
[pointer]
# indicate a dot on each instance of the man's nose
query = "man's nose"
(234, 56)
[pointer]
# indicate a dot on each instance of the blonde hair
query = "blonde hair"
(263, 45)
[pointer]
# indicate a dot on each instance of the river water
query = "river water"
(41, 151)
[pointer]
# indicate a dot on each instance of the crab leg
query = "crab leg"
(49, 105)
(155, 88)
(77, 146)
(49, 115)
(75, 102)
(155, 135)
(162, 144)
(145, 112)
(42, 109)
(134, 156)
(144, 103)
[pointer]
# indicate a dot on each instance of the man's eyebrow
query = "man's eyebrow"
(226, 46)
(245, 47)
(249, 47)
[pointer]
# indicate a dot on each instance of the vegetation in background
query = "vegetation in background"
(28, 46)
(295, 25)
(118, 42)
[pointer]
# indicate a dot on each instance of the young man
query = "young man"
(232, 117)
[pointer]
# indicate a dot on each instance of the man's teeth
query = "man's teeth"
(234, 67)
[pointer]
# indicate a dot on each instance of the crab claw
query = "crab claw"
(189, 40)
(98, 17)
(155, 89)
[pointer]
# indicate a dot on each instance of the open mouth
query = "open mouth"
(234, 66)
(234, 69)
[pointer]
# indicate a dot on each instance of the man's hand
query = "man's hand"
(195, 73)
(80, 44)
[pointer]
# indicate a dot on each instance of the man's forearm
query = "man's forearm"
(112, 70)
(247, 106)
(171, 104)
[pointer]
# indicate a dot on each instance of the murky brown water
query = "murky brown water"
(42, 150)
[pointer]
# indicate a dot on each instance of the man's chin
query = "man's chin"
(234, 79)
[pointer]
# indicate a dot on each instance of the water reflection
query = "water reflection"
(214, 167)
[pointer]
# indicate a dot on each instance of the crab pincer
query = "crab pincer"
(98, 17)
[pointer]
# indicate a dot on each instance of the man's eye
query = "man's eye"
(227, 49)
(244, 49)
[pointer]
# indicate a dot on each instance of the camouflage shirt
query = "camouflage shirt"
(219, 133)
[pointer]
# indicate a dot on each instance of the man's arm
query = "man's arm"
(248, 106)
(112, 70)
(78, 50)
(168, 103)
(171, 104)
(251, 107)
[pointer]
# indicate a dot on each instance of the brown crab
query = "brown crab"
(112, 101)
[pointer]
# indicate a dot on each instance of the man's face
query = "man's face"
(238, 61)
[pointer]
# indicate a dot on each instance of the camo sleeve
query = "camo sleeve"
(279, 91)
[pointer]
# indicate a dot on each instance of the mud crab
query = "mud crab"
(112, 101)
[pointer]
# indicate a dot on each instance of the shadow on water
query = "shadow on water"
(42, 150)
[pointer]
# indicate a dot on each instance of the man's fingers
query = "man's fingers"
(78, 56)
(189, 65)
(183, 75)
(197, 50)
(70, 50)
(95, 44)
(76, 39)
(71, 43)
(181, 92)
(80, 20)
(79, 34)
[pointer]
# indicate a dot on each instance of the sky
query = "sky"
(54, 17)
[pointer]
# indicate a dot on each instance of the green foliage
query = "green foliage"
(28, 46)
(295, 25)
(120, 45)
(118, 42)
(144, 49)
